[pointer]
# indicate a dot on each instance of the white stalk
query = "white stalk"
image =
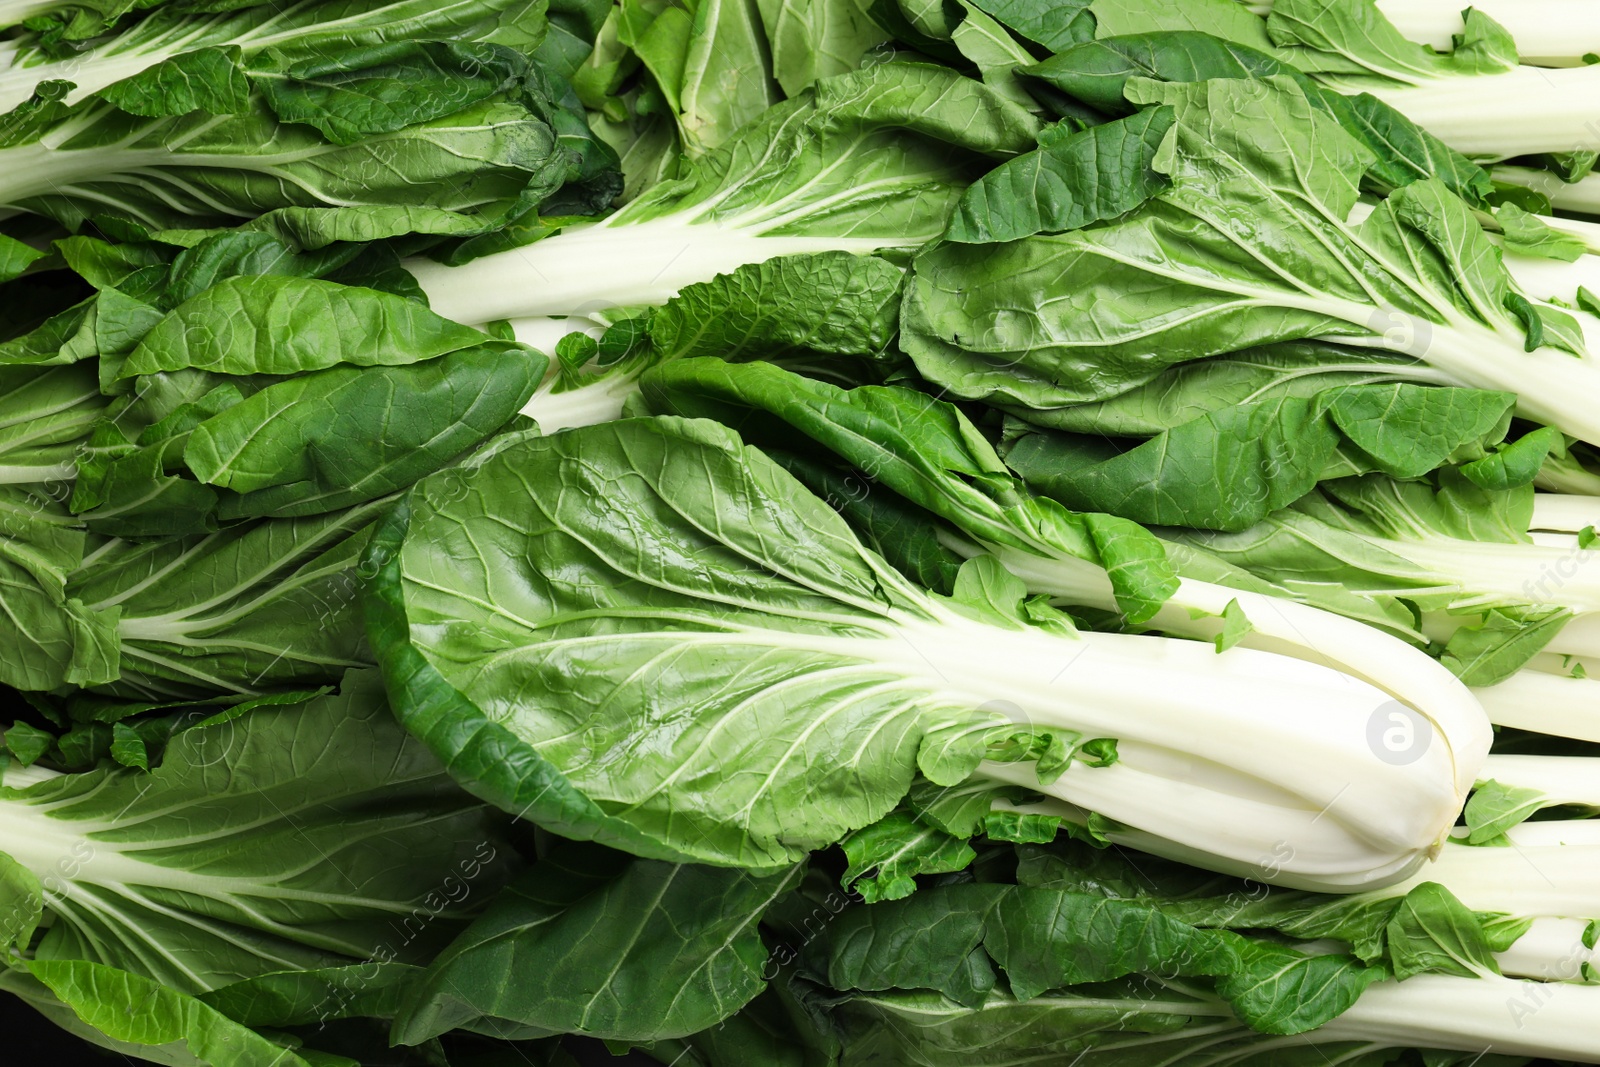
(1546, 575)
(1582, 196)
(1478, 1015)
(15, 12)
(1545, 703)
(1518, 112)
(1283, 627)
(588, 405)
(587, 269)
(88, 73)
(1548, 870)
(1561, 779)
(53, 472)
(1564, 512)
(1551, 279)
(1552, 950)
(543, 332)
(15, 776)
(1571, 833)
(1565, 665)
(1229, 759)
(1547, 32)
(40, 167)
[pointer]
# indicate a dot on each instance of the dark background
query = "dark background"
(26, 1038)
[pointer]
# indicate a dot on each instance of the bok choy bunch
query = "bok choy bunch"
(780, 644)
(861, 162)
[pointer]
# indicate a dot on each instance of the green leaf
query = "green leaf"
(277, 324)
(1490, 651)
(1097, 174)
(26, 742)
(133, 1010)
(1281, 991)
(446, 173)
(1205, 268)
(344, 435)
(1056, 26)
(664, 950)
(206, 79)
(1515, 464)
(925, 450)
(128, 748)
(1527, 235)
(21, 904)
(886, 857)
(316, 995)
(16, 257)
(1529, 317)
(927, 100)
(257, 606)
(832, 303)
(532, 762)
(1235, 626)
(51, 637)
(1234, 465)
(1494, 808)
(902, 533)
(815, 40)
(382, 88)
(261, 843)
(1358, 38)
(1433, 932)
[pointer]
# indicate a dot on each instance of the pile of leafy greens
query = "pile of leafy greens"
(821, 533)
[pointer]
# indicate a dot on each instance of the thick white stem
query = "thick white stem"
(1562, 779)
(1520, 112)
(1546, 279)
(1567, 477)
(544, 332)
(1286, 628)
(1483, 1014)
(1242, 758)
(88, 73)
(589, 269)
(1547, 32)
(1551, 951)
(1564, 512)
(16, 12)
(1547, 870)
(1534, 574)
(37, 168)
(55, 472)
(1582, 196)
(588, 405)
(1545, 703)
(16, 776)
